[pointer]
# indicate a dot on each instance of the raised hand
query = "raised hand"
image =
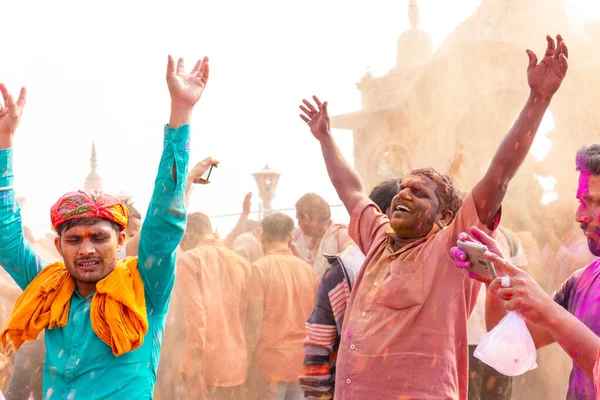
(186, 89)
(546, 76)
(316, 118)
(195, 174)
(10, 115)
(247, 204)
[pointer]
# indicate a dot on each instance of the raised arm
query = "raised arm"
(17, 256)
(240, 227)
(544, 80)
(344, 178)
(164, 225)
(195, 176)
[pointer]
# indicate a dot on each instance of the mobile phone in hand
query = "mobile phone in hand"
(476, 255)
(206, 175)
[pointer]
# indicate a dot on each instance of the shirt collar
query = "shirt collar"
(280, 251)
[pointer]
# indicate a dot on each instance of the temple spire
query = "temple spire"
(94, 159)
(93, 180)
(413, 13)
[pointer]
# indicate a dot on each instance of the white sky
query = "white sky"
(95, 73)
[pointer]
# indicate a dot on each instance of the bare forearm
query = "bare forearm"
(133, 244)
(180, 115)
(490, 191)
(188, 193)
(494, 311)
(239, 228)
(344, 178)
(540, 335)
(515, 146)
(580, 343)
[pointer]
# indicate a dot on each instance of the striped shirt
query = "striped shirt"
(325, 324)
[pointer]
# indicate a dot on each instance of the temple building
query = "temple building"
(470, 90)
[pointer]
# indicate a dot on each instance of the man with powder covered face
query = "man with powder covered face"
(405, 330)
(571, 317)
(104, 317)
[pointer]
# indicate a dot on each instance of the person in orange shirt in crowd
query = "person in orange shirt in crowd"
(319, 234)
(405, 328)
(281, 297)
(213, 282)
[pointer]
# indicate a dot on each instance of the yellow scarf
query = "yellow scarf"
(118, 311)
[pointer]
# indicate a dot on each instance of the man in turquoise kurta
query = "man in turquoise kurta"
(78, 364)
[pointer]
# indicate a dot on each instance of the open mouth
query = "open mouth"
(402, 209)
(87, 264)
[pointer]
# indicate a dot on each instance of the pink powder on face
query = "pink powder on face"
(584, 184)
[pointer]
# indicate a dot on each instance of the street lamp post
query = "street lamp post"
(266, 180)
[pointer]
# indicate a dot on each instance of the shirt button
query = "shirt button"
(68, 387)
(376, 284)
(73, 350)
(352, 346)
(394, 256)
(364, 314)
(348, 381)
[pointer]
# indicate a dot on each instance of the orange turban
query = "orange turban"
(88, 204)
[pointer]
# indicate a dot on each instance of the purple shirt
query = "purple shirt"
(580, 295)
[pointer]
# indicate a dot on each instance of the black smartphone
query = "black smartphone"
(206, 175)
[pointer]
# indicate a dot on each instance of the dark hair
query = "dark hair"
(313, 205)
(448, 195)
(277, 227)
(199, 224)
(68, 224)
(133, 212)
(384, 193)
(588, 159)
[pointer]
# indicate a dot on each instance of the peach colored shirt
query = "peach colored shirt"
(405, 331)
(282, 297)
(334, 241)
(214, 291)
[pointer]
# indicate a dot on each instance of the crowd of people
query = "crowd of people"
(386, 307)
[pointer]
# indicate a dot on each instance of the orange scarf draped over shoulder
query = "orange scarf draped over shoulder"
(118, 310)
